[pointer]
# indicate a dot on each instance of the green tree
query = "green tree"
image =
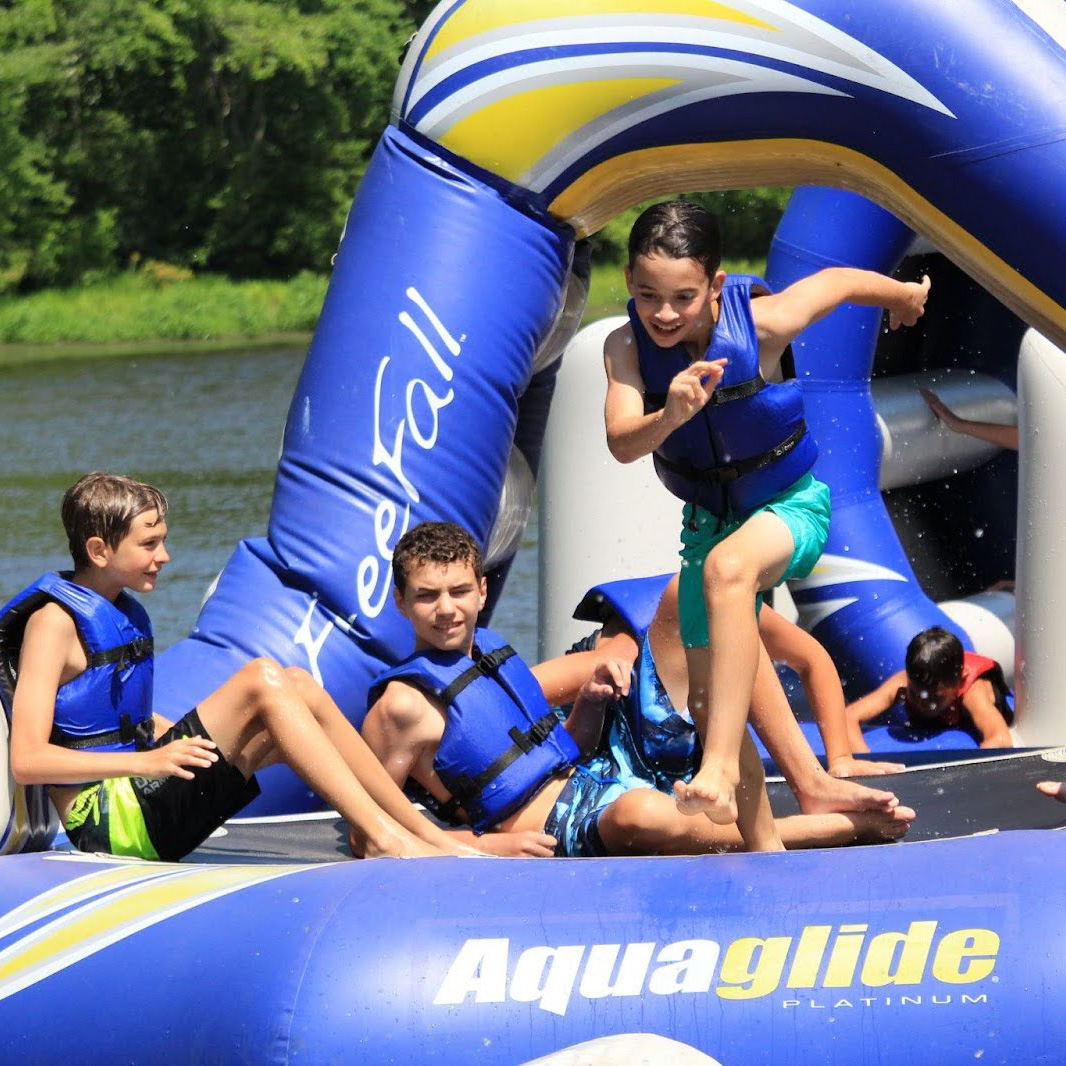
(226, 135)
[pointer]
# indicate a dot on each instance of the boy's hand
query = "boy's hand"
(522, 844)
(911, 303)
(173, 759)
(609, 680)
(691, 389)
(848, 766)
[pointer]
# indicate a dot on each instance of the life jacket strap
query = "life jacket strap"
(656, 401)
(485, 665)
(135, 651)
(725, 473)
(142, 735)
(468, 787)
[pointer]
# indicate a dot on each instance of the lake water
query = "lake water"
(206, 429)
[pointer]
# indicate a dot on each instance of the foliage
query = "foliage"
(156, 302)
(224, 135)
(218, 136)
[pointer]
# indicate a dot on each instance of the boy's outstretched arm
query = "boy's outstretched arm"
(780, 318)
(787, 643)
(47, 647)
(871, 705)
(981, 704)
(632, 434)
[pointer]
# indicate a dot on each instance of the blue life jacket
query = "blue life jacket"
(659, 741)
(108, 707)
(750, 442)
(666, 738)
(501, 742)
(634, 600)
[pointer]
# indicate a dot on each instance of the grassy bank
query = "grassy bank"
(152, 312)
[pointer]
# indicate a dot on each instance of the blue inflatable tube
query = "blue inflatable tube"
(862, 600)
(836, 957)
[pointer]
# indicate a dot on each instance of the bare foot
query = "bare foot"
(395, 845)
(830, 794)
(709, 793)
(874, 827)
(1054, 789)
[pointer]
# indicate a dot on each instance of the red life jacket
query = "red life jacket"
(974, 668)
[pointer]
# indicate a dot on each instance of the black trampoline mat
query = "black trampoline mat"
(973, 795)
(961, 798)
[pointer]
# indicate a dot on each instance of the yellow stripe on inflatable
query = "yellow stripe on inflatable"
(604, 191)
(118, 915)
(509, 136)
(76, 891)
(473, 19)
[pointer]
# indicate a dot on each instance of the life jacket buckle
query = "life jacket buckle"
(542, 729)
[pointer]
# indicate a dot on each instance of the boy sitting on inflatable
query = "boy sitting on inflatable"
(76, 677)
(640, 626)
(942, 687)
(469, 722)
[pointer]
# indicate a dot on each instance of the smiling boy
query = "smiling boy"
(76, 658)
(466, 720)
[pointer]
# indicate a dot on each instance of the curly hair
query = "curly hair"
(434, 542)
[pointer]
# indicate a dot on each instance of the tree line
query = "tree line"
(215, 135)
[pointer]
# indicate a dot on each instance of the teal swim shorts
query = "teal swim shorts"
(803, 507)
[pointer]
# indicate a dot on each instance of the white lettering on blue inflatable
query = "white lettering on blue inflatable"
(372, 588)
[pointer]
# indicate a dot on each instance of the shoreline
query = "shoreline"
(28, 354)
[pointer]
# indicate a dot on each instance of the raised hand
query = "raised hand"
(691, 388)
(910, 306)
(609, 680)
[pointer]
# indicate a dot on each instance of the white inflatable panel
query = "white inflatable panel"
(916, 446)
(600, 520)
(988, 619)
(1040, 666)
(627, 1049)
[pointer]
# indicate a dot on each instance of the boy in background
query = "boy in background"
(941, 686)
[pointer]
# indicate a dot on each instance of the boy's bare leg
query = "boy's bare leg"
(753, 558)
(646, 822)
(816, 790)
(364, 764)
(258, 714)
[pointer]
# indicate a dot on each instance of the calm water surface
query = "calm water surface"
(205, 428)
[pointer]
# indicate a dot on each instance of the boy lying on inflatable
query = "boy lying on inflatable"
(466, 720)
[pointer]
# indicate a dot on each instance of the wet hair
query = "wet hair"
(434, 542)
(105, 505)
(679, 229)
(934, 659)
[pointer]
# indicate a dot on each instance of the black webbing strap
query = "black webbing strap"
(742, 391)
(142, 735)
(484, 666)
(468, 786)
(727, 472)
(136, 651)
(656, 401)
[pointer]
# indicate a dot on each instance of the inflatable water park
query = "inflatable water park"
(446, 377)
